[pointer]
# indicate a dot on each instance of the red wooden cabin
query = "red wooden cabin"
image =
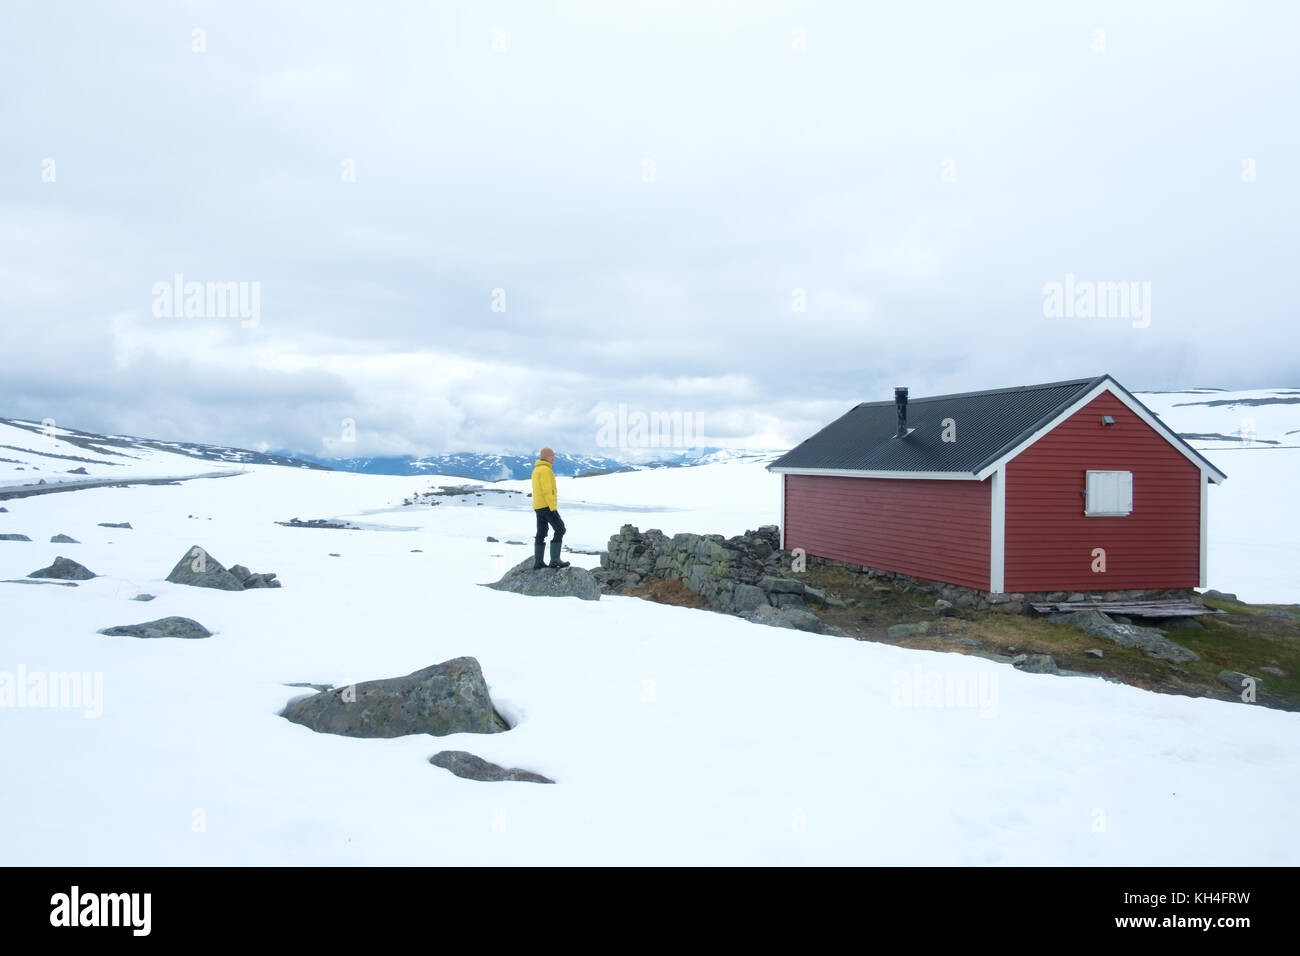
(1068, 486)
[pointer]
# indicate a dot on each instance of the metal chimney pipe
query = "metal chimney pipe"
(900, 402)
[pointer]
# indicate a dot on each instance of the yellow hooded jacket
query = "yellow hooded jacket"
(544, 486)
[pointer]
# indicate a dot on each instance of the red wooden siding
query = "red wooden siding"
(928, 528)
(1049, 540)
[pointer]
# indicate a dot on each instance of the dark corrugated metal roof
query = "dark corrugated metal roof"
(988, 424)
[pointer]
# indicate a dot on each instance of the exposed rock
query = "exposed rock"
(143, 597)
(318, 523)
(493, 541)
(64, 569)
(1007, 603)
(898, 631)
(14, 537)
(791, 617)
(1034, 663)
(747, 597)
(781, 585)
(1235, 680)
(124, 524)
(447, 698)
(1275, 671)
(78, 471)
(4, 510)
(1094, 652)
(471, 767)
(548, 582)
(181, 627)
(942, 608)
(1149, 639)
(1221, 596)
(60, 584)
(63, 539)
(1283, 613)
(266, 580)
(201, 570)
(970, 642)
(240, 572)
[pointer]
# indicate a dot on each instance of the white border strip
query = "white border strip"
(998, 532)
(781, 512)
(1205, 551)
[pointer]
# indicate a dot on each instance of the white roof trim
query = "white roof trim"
(1108, 385)
(846, 473)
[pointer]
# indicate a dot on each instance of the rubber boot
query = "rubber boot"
(538, 563)
(555, 555)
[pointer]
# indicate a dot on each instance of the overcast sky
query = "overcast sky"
(757, 214)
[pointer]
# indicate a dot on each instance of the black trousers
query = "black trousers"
(545, 516)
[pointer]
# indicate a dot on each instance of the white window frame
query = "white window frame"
(1124, 486)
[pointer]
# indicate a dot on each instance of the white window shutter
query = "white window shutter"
(1109, 493)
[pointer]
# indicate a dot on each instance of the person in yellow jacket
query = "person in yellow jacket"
(545, 506)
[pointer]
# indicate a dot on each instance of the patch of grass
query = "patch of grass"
(673, 592)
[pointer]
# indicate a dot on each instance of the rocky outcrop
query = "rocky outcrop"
(14, 537)
(201, 570)
(447, 698)
(471, 767)
(63, 539)
(1237, 681)
(793, 617)
(121, 524)
(739, 575)
(548, 582)
(1149, 639)
(64, 569)
(1034, 663)
(319, 523)
(181, 627)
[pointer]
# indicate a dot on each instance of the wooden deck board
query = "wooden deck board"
(1129, 608)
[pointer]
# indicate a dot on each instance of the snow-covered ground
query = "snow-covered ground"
(36, 454)
(675, 736)
(1255, 515)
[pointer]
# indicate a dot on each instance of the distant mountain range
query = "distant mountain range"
(122, 447)
(485, 467)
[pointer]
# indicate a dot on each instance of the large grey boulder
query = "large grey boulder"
(181, 627)
(63, 539)
(548, 582)
(1238, 681)
(471, 767)
(747, 598)
(201, 570)
(774, 585)
(447, 698)
(791, 617)
(1034, 663)
(1149, 639)
(64, 569)
(14, 537)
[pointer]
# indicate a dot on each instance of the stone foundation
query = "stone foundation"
(747, 572)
